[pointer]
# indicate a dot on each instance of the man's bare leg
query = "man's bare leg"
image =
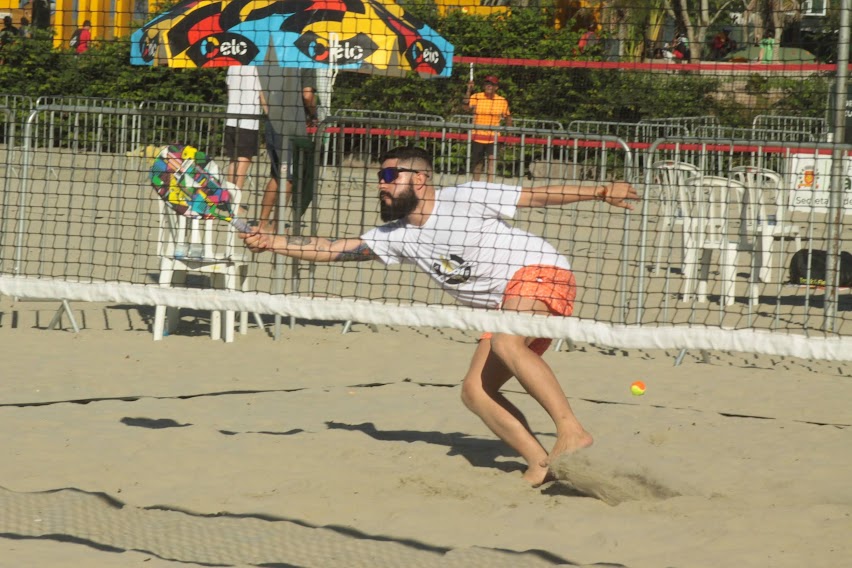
(537, 378)
(489, 168)
(481, 394)
(267, 205)
(477, 171)
(238, 171)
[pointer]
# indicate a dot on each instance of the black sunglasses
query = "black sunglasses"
(387, 175)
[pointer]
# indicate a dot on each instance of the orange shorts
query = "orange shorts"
(554, 286)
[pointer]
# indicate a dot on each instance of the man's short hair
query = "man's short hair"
(408, 153)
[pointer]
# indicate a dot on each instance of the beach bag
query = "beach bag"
(818, 262)
(75, 38)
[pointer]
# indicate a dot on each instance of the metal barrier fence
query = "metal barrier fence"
(454, 152)
(18, 106)
(363, 146)
(82, 211)
(76, 168)
(75, 122)
(520, 151)
(79, 124)
(633, 132)
(520, 122)
(403, 117)
(198, 124)
(688, 122)
(5, 181)
(817, 128)
(760, 134)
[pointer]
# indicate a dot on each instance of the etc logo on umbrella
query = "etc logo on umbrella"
(322, 50)
(222, 49)
(424, 56)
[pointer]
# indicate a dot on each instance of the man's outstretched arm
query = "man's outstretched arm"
(616, 193)
(314, 249)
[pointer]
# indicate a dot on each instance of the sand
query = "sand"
(327, 449)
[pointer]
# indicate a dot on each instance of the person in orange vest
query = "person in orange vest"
(489, 109)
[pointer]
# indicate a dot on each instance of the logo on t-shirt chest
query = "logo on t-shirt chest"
(452, 270)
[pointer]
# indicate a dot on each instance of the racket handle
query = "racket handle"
(241, 225)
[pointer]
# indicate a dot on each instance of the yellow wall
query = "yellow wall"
(565, 10)
(468, 7)
(586, 12)
(11, 7)
(104, 25)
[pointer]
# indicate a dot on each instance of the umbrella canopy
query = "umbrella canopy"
(368, 36)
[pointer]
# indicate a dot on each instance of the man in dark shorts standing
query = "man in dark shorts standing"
(242, 134)
(291, 106)
(489, 109)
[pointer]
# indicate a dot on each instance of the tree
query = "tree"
(634, 23)
(696, 22)
(766, 15)
(41, 14)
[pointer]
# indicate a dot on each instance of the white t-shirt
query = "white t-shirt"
(243, 96)
(466, 246)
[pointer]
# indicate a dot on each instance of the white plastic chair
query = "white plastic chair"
(759, 228)
(708, 203)
(669, 176)
(208, 247)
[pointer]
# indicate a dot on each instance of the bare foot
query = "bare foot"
(568, 444)
(537, 476)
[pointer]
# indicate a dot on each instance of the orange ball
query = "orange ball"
(637, 388)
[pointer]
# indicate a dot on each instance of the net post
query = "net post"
(64, 307)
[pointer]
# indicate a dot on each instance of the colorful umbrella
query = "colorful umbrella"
(368, 36)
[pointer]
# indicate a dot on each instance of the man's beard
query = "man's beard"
(400, 206)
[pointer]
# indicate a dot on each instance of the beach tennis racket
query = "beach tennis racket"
(181, 176)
